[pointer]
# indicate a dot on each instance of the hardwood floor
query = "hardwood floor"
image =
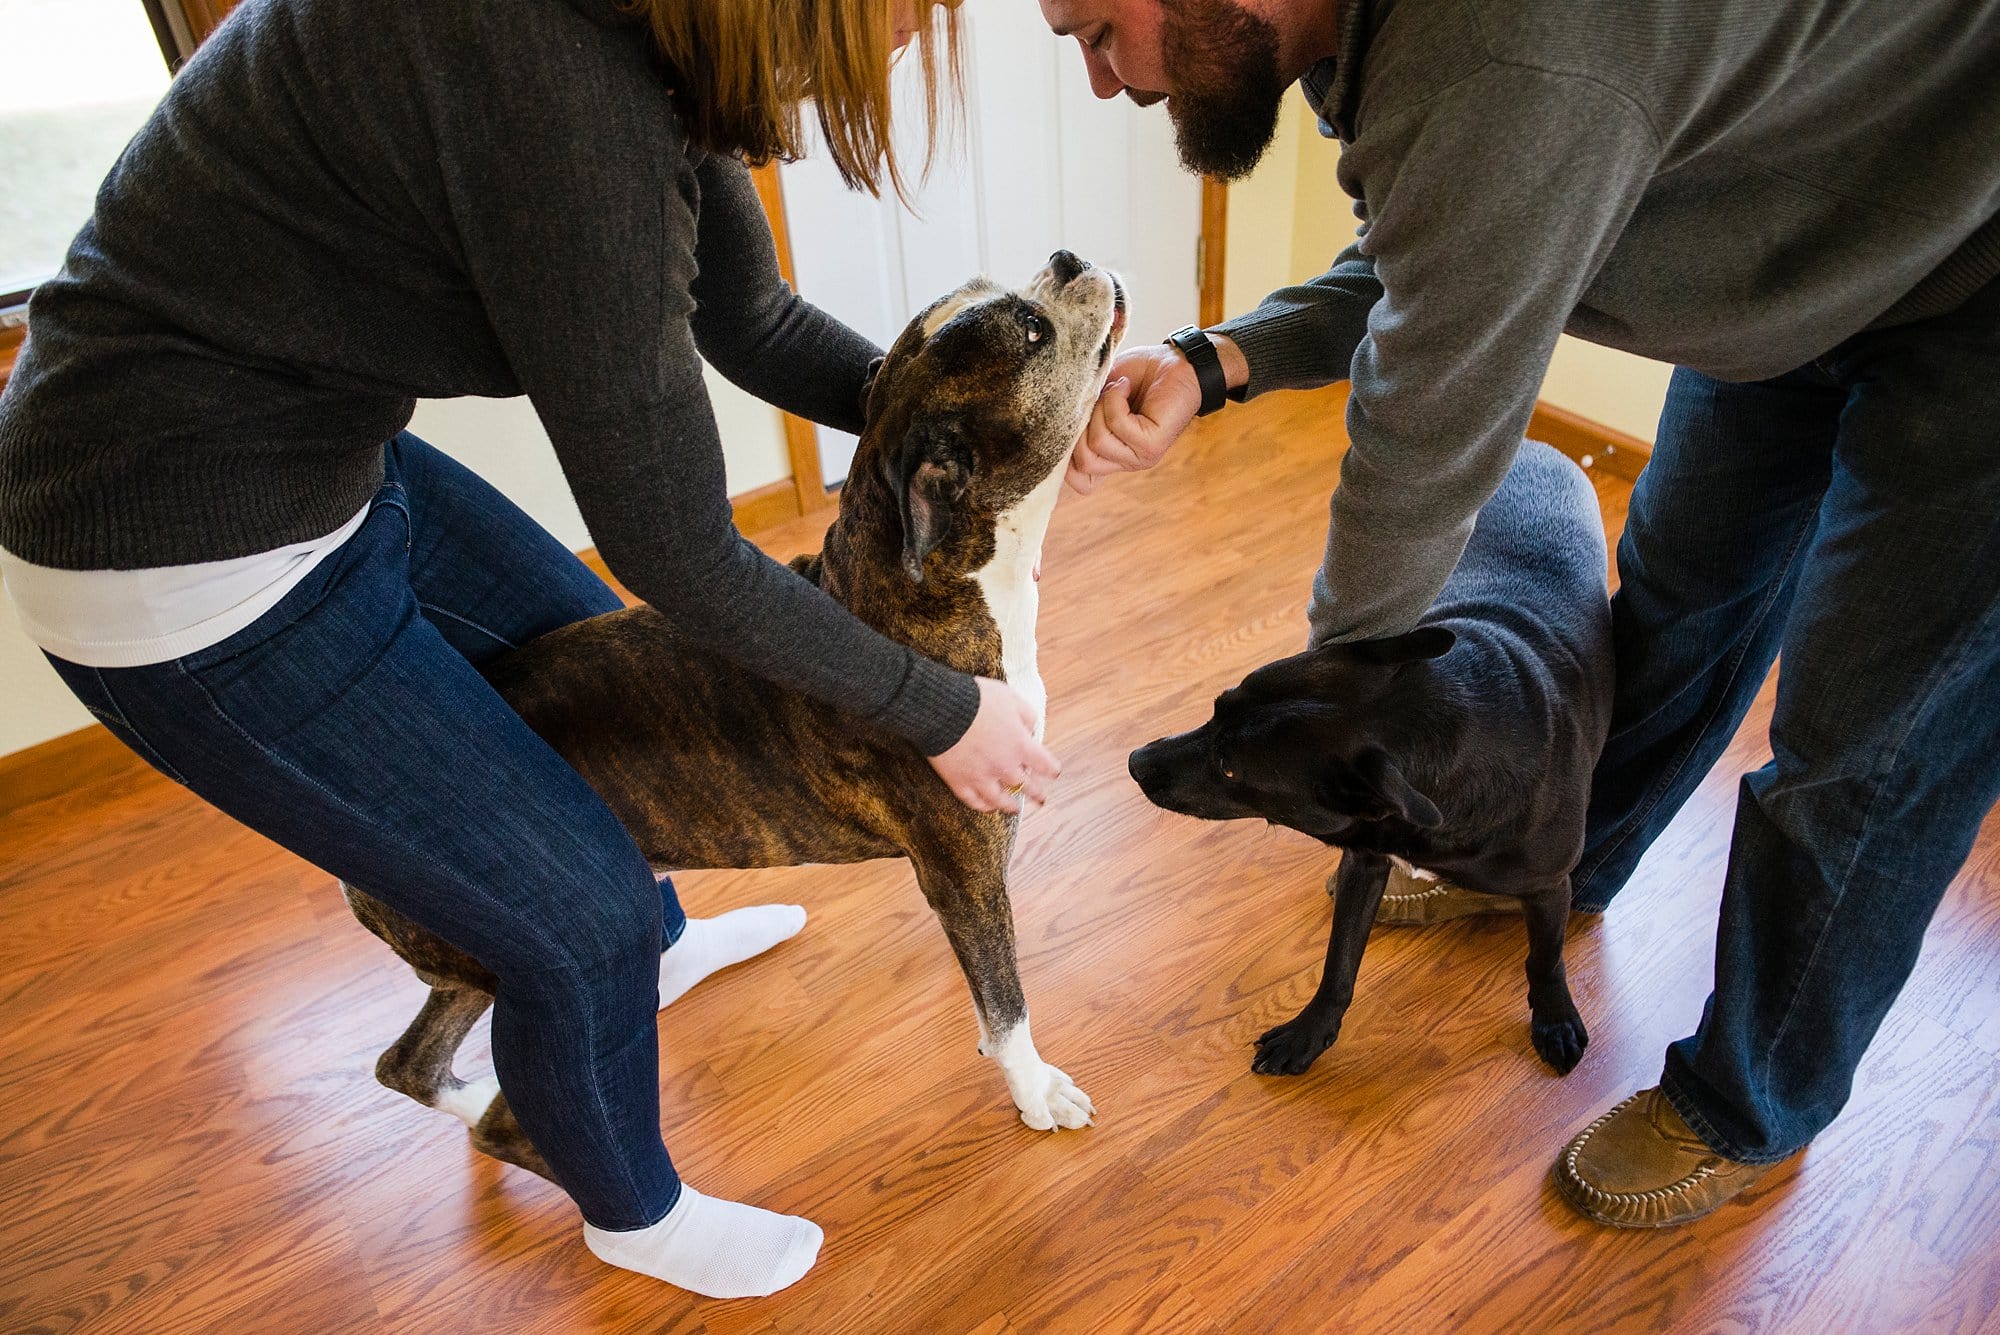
(191, 1138)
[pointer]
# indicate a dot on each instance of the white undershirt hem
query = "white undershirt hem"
(133, 618)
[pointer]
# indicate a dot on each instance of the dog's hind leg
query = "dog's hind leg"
(419, 1062)
(1555, 1026)
(499, 1136)
(1296, 1044)
(969, 894)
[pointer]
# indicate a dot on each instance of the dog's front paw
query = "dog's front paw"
(1293, 1046)
(1561, 1042)
(1048, 1099)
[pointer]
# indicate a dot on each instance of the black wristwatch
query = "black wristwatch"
(1200, 352)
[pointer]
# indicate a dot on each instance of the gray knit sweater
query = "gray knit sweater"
(1734, 186)
(341, 207)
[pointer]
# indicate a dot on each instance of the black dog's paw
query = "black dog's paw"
(1561, 1042)
(1292, 1047)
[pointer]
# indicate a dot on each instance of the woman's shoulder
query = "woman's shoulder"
(574, 66)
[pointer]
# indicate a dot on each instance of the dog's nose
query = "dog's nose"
(1066, 266)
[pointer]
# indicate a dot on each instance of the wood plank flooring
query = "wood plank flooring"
(191, 1138)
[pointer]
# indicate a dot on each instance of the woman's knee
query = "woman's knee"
(590, 922)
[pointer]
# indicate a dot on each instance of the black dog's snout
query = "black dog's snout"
(1067, 265)
(1148, 769)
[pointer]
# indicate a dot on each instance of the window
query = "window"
(77, 78)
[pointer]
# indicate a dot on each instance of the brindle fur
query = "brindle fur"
(708, 766)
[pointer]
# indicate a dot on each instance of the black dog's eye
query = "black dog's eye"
(1035, 326)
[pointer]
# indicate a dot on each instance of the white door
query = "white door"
(1041, 166)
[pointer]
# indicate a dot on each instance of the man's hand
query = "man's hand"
(998, 765)
(1149, 400)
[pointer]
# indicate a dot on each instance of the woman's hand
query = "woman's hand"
(998, 764)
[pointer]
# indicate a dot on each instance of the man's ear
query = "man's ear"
(929, 472)
(1376, 789)
(868, 388)
(1421, 643)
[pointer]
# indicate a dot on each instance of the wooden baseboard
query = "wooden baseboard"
(1592, 444)
(765, 506)
(61, 764)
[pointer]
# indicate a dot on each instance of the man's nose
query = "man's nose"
(1104, 82)
(1065, 265)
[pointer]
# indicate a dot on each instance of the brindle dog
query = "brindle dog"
(970, 418)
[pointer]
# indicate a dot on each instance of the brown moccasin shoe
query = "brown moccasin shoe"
(1641, 1166)
(1415, 901)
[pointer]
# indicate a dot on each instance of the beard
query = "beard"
(1222, 63)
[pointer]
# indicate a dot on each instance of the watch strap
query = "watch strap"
(1195, 345)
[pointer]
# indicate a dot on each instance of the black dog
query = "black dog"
(1463, 748)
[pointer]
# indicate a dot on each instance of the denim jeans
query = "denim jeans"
(350, 724)
(1844, 516)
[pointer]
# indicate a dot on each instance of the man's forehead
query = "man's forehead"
(1067, 16)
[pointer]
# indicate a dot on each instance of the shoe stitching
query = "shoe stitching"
(1597, 1194)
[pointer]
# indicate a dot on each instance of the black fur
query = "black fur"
(1464, 747)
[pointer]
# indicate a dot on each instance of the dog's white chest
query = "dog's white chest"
(1008, 584)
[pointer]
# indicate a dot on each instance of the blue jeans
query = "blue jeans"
(351, 724)
(1847, 516)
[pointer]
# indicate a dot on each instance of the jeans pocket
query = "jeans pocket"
(118, 727)
(386, 528)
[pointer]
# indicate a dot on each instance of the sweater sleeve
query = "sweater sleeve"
(751, 326)
(1491, 207)
(1304, 336)
(575, 209)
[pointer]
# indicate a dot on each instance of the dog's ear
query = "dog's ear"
(929, 472)
(1373, 781)
(868, 387)
(1396, 650)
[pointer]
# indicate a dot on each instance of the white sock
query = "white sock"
(718, 1249)
(709, 944)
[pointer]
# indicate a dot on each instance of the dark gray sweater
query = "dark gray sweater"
(341, 207)
(1734, 185)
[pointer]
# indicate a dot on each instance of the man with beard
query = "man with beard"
(1798, 203)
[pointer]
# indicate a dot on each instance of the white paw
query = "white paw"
(1048, 1099)
(468, 1102)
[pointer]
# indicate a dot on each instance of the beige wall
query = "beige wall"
(1290, 218)
(37, 705)
(498, 438)
(1263, 212)
(1614, 388)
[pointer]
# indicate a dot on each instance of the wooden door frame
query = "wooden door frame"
(1213, 249)
(801, 437)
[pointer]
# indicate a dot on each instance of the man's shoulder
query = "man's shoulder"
(1421, 48)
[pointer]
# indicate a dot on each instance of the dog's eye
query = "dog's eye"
(1035, 327)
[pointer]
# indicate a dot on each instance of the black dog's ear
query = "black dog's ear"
(929, 473)
(1421, 643)
(1384, 791)
(868, 386)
